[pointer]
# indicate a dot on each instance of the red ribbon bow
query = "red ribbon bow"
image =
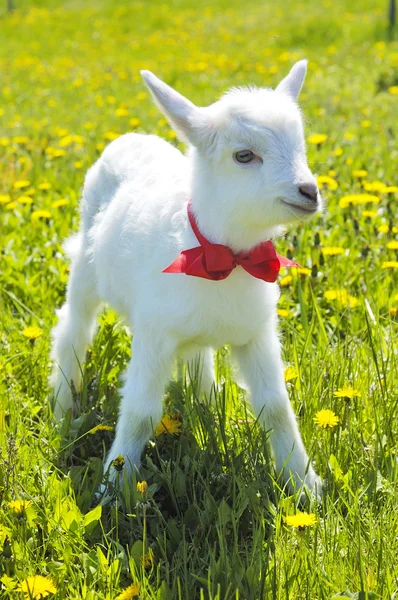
(216, 262)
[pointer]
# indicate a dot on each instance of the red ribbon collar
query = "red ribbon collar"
(216, 262)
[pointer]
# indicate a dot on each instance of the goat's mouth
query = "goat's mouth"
(309, 209)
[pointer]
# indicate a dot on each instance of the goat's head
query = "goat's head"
(249, 150)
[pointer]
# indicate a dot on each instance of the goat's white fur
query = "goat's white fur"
(134, 224)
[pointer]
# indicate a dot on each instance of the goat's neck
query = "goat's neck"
(219, 223)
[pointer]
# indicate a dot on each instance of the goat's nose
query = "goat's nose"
(310, 191)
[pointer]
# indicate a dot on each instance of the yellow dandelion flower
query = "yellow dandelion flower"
(347, 391)
(4, 198)
(326, 418)
(360, 173)
(285, 281)
(134, 122)
(369, 213)
(354, 199)
(148, 559)
(301, 270)
(390, 264)
(300, 519)
(78, 164)
(32, 333)
(283, 313)
(121, 112)
(375, 186)
(19, 506)
(11, 205)
(40, 214)
(383, 228)
(349, 136)
(393, 311)
(25, 200)
(393, 90)
(45, 185)
(59, 203)
(101, 428)
(317, 138)
(391, 189)
(168, 425)
(111, 135)
(366, 123)
(290, 373)
(118, 463)
(337, 151)
(37, 586)
(23, 183)
(332, 250)
(342, 297)
(142, 487)
(20, 139)
(392, 245)
(328, 181)
(131, 592)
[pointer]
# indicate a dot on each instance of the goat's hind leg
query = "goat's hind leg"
(75, 328)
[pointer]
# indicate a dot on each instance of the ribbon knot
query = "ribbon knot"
(216, 261)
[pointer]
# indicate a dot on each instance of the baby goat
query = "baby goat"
(244, 176)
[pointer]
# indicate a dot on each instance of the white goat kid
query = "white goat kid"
(245, 175)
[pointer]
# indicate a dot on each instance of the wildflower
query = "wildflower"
(301, 270)
(111, 135)
(390, 264)
(383, 228)
(59, 203)
(342, 297)
(18, 185)
(19, 506)
(131, 592)
(78, 164)
(393, 311)
(332, 250)
(4, 198)
(355, 199)
(391, 189)
(32, 333)
(369, 213)
(366, 123)
(40, 214)
(300, 519)
(360, 173)
(134, 122)
(285, 281)
(393, 90)
(11, 205)
(347, 391)
(101, 428)
(24, 200)
(349, 136)
(392, 245)
(118, 463)
(147, 559)
(326, 418)
(327, 181)
(45, 185)
(142, 487)
(36, 586)
(375, 186)
(121, 112)
(337, 151)
(290, 373)
(317, 139)
(283, 312)
(168, 425)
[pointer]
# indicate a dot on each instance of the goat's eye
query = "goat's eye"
(244, 156)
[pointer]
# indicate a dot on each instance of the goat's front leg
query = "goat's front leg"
(141, 403)
(262, 368)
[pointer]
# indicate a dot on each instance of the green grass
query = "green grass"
(213, 516)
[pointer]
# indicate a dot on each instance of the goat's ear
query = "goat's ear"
(293, 82)
(187, 119)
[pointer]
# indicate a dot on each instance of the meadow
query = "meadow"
(206, 519)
